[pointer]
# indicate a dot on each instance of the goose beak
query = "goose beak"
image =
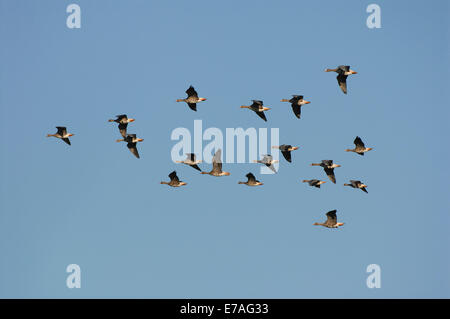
(266, 108)
(71, 134)
(338, 165)
(307, 102)
(353, 72)
(295, 148)
(363, 185)
(130, 120)
(202, 99)
(140, 139)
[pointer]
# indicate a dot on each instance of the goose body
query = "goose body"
(257, 107)
(251, 180)
(192, 98)
(61, 134)
(328, 167)
(174, 180)
(343, 72)
(286, 150)
(296, 103)
(360, 148)
(331, 221)
(357, 184)
(131, 141)
(191, 161)
(217, 165)
(268, 161)
(314, 182)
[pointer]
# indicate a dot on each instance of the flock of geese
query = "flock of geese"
(258, 107)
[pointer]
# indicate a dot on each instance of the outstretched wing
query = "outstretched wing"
(287, 155)
(121, 116)
(217, 161)
(330, 174)
(342, 81)
(173, 176)
(191, 157)
(66, 140)
(191, 92)
(331, 218)
(251, 177)
(359, 143)
(123, 129)
(193, 106)
(196, 167)
(132, 147)
(61, 130)
(297, 109)
(257, 103)
(261, 115)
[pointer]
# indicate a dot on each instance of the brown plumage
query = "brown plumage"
(251, 180)
(331, 221)
(217, 165)
(360, 148)
(296, 103)
(62, 134)
(174, 180)
(343, 72)
(314, 182)
(131, 141)
(357, 184)
(258, 108)
(286, 150)
(192, 98)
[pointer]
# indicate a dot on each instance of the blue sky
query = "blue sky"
(95, 205)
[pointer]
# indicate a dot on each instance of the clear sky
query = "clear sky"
(95, 205)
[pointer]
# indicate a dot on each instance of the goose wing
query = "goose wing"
(191, 92)
(173, 177)
(331, 218)
(61, 130)
(133, 149)
(342, 81)
(330, 174)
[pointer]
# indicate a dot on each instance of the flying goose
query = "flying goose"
(191, 161)
(286, 151)
(314, 182)
(251, 180)
(296, 102)
(62, 134)
(131, 140)
(343, 72)
(123, 121)
(192, 98)
(331, 221)
(174, 181)
(328, 167)
(217, 165)
(268, 161)
(360, 148)
(258, 108)
(357, 184)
